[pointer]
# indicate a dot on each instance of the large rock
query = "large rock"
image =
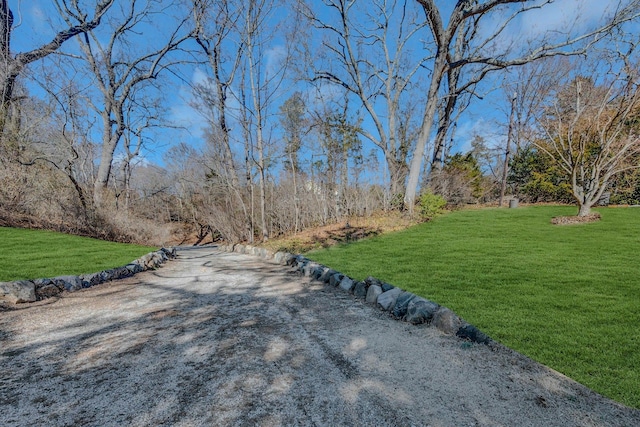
(287, 258)
(48, 291)
(301, 262)
(386, 287)
(18, 292)
(70, 283)
(387, 299)
(162, 255)
(89, 280)
(420, 311)
(471, 333)
(446, 320)
(145, 261)
(41, 282)
(121, 272)
(106, 276)
(335, 279)
(402, 302)
(346, 284)
(317, 272)
(326, 275)
(279, 257)
(171, 252)
(134, 268)
(308, 269)
(293, 261)
(157, 258)
(360, 290)
(370, 281)
(372, 293)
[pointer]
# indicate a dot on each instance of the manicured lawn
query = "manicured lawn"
(567, 296)
(32, 254)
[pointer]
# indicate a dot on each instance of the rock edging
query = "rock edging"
(24, 291)
(400, 304)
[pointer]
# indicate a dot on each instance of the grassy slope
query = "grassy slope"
(31, 254)
(567, 296)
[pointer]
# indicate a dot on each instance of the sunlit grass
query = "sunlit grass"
(32, 254)
(567, 296)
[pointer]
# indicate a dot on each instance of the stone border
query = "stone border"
(400, 304)
(23, 291)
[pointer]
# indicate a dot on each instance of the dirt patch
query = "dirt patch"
(570, 220)
(349, 230)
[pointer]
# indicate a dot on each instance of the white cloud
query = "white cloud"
(467, 130)
(199, 78)
(563, 16)
(183, 113)
(274, 58)
(37, 15)
(552, 21)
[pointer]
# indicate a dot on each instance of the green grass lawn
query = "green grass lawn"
(33, 254)
(566, 296)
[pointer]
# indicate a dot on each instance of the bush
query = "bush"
(431, 205)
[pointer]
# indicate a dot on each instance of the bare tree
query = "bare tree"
(525, 92)
(265, 71)
(487, 51)
(216, 32)
(369, 53)
(592, 133)
(12, 65)
(294, 126)
(118, 68)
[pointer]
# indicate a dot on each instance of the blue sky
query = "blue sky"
(34, 26)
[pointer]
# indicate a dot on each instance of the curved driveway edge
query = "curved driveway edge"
(26, 291)
(224, 339)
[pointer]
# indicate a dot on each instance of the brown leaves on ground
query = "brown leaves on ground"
(569, 220)
(348, 230)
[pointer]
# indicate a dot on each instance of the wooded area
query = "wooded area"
(303, 113)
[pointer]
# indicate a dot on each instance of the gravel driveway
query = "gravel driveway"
(217, 339)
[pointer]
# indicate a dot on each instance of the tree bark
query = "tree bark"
(415, 167)
(584, 210)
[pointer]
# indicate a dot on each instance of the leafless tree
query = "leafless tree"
(488, 51)
(525, 92)
(370, 52)
(265, 69)
(118, 67)
(592, 132)
(294, 126)
(13, 64)
(216, 32)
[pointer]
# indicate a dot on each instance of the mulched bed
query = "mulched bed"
(568, 220)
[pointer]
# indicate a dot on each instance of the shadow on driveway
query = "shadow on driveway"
(226, 339)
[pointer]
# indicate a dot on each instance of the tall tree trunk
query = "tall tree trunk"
(110, 139)
(415, 167)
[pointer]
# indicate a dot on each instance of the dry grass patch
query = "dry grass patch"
(349, 230)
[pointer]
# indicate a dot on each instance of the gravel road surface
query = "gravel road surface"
(219, 339)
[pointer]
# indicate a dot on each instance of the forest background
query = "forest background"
(151, 121)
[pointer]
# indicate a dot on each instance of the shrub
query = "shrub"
(431, 205)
